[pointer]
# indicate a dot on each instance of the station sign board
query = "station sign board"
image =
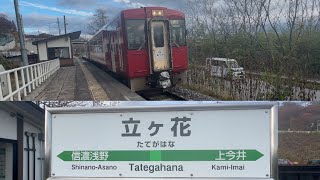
(182, 141)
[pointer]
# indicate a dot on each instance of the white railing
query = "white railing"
(23, 80)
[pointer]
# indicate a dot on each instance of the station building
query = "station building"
(57, 47)
(21, 141)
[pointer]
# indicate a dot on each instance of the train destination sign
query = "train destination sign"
(186, 141)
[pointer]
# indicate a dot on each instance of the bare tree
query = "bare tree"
(269, 34)
(99, 19)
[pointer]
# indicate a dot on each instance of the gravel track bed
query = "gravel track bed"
(191, 95)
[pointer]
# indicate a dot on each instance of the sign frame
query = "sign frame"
(154, 107)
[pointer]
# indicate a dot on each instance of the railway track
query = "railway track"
(160, 95)
(150, 95)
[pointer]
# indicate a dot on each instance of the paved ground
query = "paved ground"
(83, 82)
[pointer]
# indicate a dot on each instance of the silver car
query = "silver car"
(223, 67)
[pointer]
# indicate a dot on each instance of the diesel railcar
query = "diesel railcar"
(145, 46)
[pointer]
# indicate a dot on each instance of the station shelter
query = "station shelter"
(21, 141)
(57, 47)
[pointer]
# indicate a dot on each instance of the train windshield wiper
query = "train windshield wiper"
(142, 45)
(176, 44)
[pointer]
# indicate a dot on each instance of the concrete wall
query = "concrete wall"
(39, 153)
(8, 126)
(43, 56)
(4, 82)
(61, 42)
(30, 47)
(8, 130)
(8, 46)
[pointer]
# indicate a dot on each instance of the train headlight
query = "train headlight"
(157, 13)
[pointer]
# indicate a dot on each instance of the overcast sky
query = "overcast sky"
(41, 15)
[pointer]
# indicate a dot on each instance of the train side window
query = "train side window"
(178, 32)
(136, 34)
(109, 42)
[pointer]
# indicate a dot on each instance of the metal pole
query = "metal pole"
(318, 124)
(59, 26)
(65, 25)
(21, 34)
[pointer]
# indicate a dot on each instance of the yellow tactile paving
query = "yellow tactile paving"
(97, 92)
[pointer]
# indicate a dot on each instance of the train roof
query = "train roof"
(140, 13)
(72, 35)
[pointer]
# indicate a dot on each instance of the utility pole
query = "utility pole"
(59, 26)
(23, 50)
(65, 25)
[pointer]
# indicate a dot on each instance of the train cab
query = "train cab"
(147, 46)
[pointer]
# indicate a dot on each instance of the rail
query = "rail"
(18, 82)
(159, 95)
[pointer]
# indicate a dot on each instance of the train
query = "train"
(146, 47)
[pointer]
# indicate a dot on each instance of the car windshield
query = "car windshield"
(232, 64)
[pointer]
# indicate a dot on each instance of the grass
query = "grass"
(299, 147)
(7, 64)
(221, 96)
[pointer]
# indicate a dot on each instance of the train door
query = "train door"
(120, 50)
(113, 51)
(109, 49)
(161, 59)
(117, 65)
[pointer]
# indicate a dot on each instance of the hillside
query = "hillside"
(6, 25)
(299, 147)
(7, 64)
(299, 118)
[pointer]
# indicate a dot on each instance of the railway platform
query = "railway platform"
(82, 82)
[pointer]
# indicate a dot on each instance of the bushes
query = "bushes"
(299, 147)
(302, 61)
(7, 64)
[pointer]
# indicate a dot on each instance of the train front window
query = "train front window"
(136, 34)
(158, 35)
(178, 32)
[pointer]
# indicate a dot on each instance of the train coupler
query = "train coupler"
(164, 80)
